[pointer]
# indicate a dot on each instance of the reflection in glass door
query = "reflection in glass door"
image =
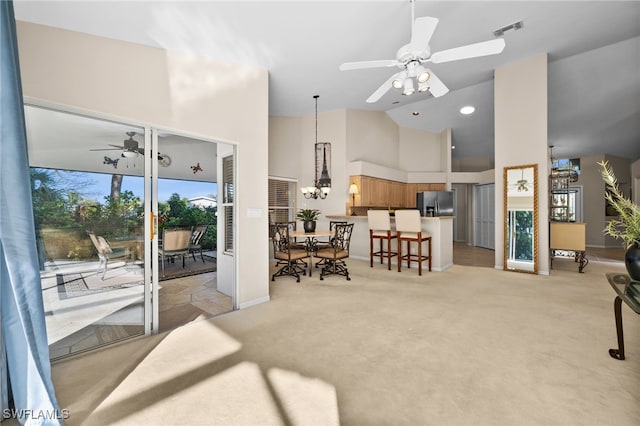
(87, 180)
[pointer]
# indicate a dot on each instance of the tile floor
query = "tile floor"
(80, 315)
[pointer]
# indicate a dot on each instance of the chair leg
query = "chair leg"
(388, 254)
(429, 254)
(408, 254)
(370, 249)
(419, 257)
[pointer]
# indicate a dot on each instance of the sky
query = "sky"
(97, 185)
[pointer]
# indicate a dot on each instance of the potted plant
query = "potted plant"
(308, 218)
(626, 226)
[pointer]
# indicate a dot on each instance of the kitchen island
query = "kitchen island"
(440, 228)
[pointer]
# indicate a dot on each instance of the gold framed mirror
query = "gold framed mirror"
(521, 218)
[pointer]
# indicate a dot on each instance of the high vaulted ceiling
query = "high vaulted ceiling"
(593, 51)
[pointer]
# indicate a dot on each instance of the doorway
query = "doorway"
(95, 188)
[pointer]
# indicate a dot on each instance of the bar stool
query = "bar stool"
(380, 228)
(409, 229)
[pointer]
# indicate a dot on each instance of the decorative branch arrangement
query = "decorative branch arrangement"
(627, 225)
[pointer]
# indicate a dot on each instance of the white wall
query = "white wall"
(151, 86)
(520, 92)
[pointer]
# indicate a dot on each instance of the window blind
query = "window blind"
(228, 193)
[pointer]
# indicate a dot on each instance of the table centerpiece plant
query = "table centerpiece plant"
(308, 218)
(626, 226)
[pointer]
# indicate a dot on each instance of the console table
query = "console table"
(627, 291)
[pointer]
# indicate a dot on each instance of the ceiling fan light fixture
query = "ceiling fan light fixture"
(130, 154)
(398, 83)
(423, 77)
(423, 87)
(408, 87)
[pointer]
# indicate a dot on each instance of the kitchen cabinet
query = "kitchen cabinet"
(376, 192)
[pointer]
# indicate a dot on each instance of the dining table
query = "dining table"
(311, 241)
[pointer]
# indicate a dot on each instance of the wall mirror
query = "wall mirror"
(521, 218)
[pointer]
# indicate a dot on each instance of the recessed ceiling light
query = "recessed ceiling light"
(453, 147)
(415, 113)
(466, 110)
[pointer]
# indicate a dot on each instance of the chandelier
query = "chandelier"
(321, 185)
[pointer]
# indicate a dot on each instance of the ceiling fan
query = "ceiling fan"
(411, 59)
(522, 184)
(131, 149)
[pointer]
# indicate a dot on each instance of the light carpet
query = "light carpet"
(467, 346)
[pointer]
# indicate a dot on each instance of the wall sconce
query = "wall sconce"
(353, 190)
(321, 186)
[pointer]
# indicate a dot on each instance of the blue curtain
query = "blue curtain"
(22, 322)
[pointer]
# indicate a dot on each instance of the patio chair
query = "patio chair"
(175, 242)
(105, 252)
(195, 242)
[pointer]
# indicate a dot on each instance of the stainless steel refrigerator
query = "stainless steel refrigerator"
(435, 203)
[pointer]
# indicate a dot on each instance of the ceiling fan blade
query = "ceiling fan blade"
(368, 64)
(422, 31)
(106, 149)
(485, 48)
(382, 89)
(436, 86)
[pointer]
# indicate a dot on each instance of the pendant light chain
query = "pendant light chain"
(315, 182)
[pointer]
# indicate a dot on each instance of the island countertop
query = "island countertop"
(345, 217)
(439, 227)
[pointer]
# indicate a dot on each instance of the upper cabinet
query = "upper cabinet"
(376, 192)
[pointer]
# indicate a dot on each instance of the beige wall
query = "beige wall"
(291, 155)
(520, 92)
(149, 86)
(635, 181)
(373, 136)
(353, 134)
(420, 151)
(287, 141)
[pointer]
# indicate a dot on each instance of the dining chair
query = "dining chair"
(380, 229)
(334, 256)
(327, 244)
(287, 253)
(409, 228)
(175, 242)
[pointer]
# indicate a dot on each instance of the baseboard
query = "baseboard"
(254, 302)
(443, 268)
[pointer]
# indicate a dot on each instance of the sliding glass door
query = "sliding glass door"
(88, 191)
(105, 195)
